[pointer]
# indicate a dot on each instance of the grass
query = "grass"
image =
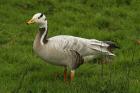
(22, 71)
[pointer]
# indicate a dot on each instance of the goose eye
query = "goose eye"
(40, 16)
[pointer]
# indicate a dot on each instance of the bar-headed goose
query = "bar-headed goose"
(65, 50)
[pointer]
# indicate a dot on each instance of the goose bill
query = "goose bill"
(30, 21)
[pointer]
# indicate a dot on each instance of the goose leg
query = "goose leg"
(65, 74)
(138, 41)
(72, 74)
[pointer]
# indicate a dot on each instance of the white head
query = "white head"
(38, 18)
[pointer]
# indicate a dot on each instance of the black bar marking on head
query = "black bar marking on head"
(40, 16)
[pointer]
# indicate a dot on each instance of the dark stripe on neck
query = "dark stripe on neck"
(42, 31)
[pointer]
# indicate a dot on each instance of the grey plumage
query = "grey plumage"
(65, 50)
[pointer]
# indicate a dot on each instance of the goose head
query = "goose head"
(38, 18)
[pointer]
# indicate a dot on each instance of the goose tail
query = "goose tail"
(111, 46)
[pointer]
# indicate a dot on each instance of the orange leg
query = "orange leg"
(72, 75)
(138, 41)
(65, 74)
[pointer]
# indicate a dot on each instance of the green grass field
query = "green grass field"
(22, 71)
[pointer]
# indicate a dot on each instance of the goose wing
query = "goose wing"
(84, 47)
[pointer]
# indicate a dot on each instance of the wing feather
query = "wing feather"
(83, 46)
